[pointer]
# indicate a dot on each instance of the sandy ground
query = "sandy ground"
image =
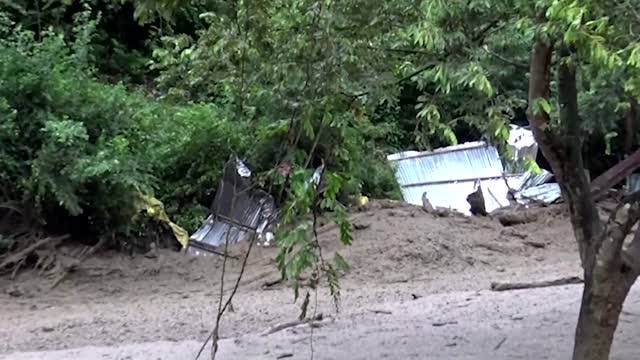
(418, 289)
(530, 324)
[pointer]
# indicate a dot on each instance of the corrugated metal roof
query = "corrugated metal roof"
(529, 179)
(448, 175)
(546, 193)
(446, 166)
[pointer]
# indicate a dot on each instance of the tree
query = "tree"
(610, 267)
(569, 41)
(468, 59)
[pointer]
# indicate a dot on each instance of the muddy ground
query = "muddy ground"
(418, 289)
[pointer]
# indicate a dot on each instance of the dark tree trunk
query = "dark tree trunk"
(607, 277)
(599, 315)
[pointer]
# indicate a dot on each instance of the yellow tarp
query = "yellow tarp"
(155, 210)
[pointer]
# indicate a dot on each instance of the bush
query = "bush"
(71, 145)
(77, 151)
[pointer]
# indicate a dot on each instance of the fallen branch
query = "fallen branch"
(439, 324)
(495, 286)
(385, 312)
(536, 244)
(283, 326)
(491, 248)
(499, 345)
(271, 283)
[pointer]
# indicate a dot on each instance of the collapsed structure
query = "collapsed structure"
(446, 176)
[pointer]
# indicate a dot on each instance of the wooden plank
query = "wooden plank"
(615, 175)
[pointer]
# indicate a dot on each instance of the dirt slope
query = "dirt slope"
(400, 253)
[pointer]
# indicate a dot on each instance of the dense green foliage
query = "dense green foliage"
(101, 99)
(75, 150)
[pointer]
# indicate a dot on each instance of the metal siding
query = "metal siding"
(237, 209)
(456, 167)
(547, 193)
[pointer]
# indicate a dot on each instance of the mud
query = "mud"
(404, 261)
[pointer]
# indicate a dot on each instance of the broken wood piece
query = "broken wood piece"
(536, 244)
(491, 248)
(614, 175)
(495, 286)
(426, 204)
(285, 356)
(283, 326)
(434, 210)
(271, 283)
(476, 200)
(386, 312)
(439, 324)
(499, 345)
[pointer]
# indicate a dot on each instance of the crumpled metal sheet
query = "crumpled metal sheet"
(545, 193)
(238, 212)
(448, 175)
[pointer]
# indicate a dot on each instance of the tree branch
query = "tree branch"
(402, 51)
(516, 64)
(631, 255)
(618, 227)
(475, 40)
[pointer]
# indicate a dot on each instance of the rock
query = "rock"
(361, 226)
(47, 329)
(513, 233)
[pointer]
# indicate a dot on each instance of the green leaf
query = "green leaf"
(541, 105)
(341, 263)
(450, 136)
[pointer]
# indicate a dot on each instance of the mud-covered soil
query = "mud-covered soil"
(400, 255)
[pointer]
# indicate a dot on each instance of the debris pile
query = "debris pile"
(474, 171)
(470, 178)
(238, 213)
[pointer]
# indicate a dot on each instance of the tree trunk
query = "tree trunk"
(599, 316)
(608, 278)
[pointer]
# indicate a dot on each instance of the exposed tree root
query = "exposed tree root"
(82, 256)
(19, 257)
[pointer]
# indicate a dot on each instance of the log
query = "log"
(282, 326)
(614, 175)
(495, 286)
(518, 217)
